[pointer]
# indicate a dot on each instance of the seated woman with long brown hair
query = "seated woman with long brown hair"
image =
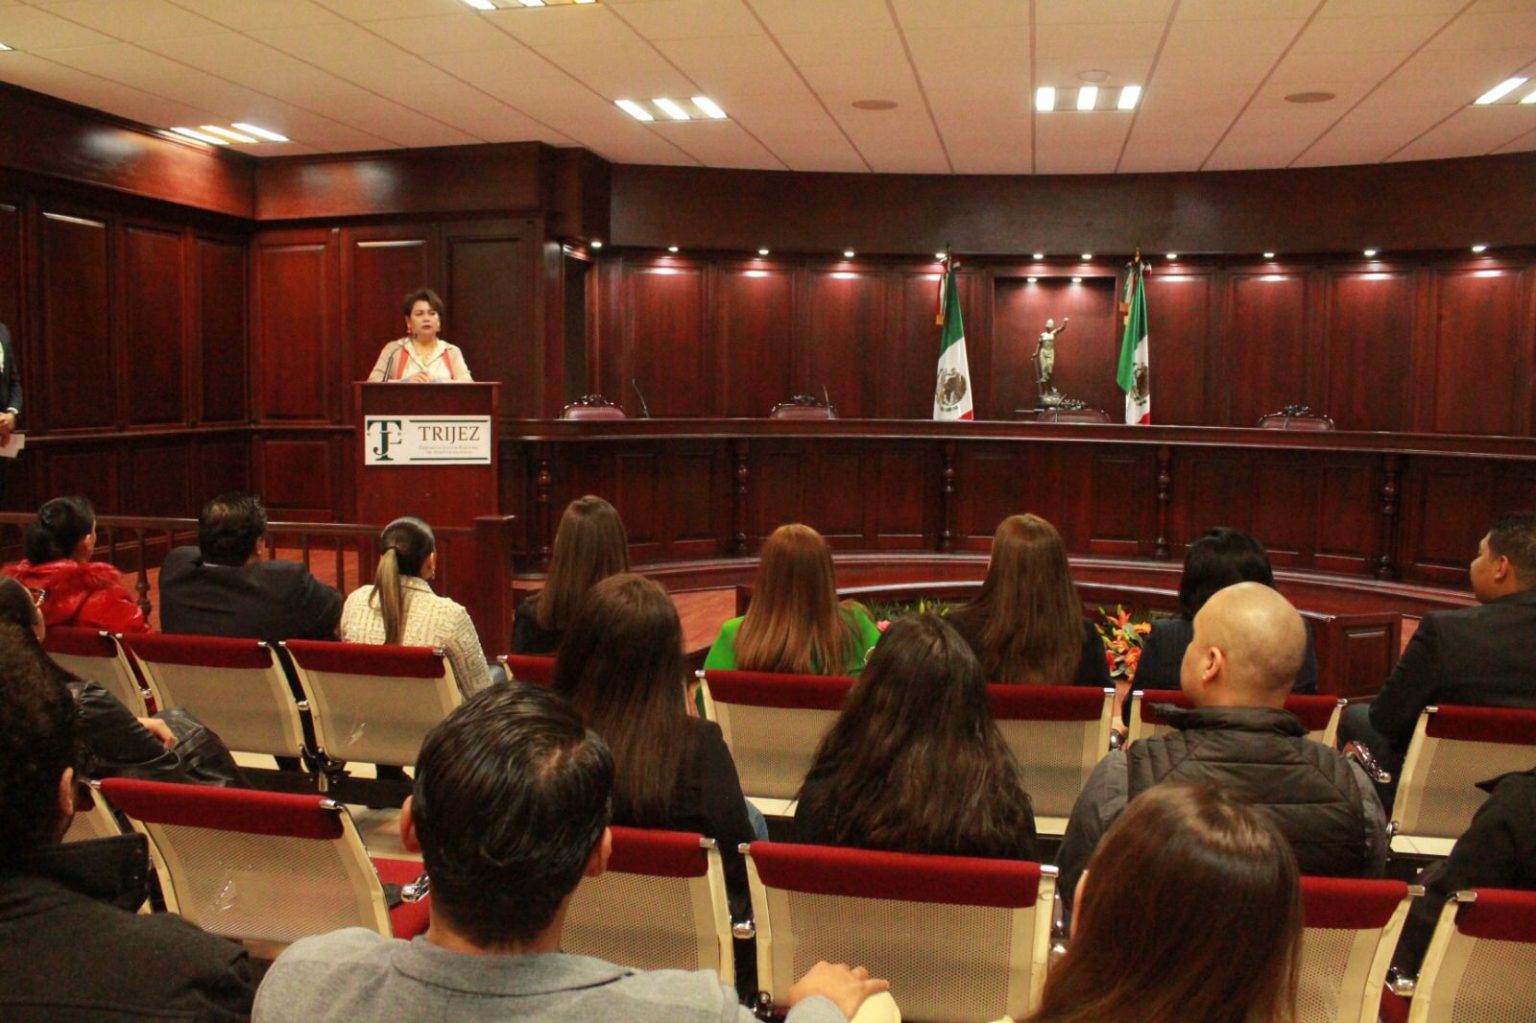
(916, 762)
(795, 624)
(590, 545)
(1190, 912)
(1026, 624)
(621, 666)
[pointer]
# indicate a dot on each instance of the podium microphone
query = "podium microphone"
(645, 409)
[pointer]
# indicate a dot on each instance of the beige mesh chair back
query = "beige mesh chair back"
(660, 905)
(1481, 961)
(97, 655)
(264, 867)
(369, 703)
(93, 819)
(1319, 713)
(1454, 748)
(236, 687)
(1059, 734)
(1352, 926)
(772, 724)
(959, 938)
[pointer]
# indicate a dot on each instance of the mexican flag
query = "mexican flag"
(1134, 373)
(952, 394)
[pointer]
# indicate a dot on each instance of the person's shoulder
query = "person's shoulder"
(181, 557)
(673, 995)
(279, 571)
(350, 944)
(730, 627)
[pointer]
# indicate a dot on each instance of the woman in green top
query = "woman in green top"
(795, 624)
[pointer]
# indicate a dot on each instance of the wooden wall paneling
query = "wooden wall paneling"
(695, 504)
(219, 464)
(1119, 496)
(777, 491)
(88, 470)
(76, 336)
(1482, 373)
(1369, 330)
(156, 478)
(1210, 488)
(992, 481)
(379, 265)
(607, 355)
(905, 370)
(220, 357)
(1348, 513)
(665, 345)
(845, 311)
(154, 297)
(298, 474)
(1264, 337)
(297, 370)
(901, 508)
(11, 282)
(493, 310)
(824, 485)
(752, 331)
(1447, 507)
(1087, 352)
(1179, 299)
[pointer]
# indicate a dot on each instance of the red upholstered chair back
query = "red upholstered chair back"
(97, 655)
(661, 905)
(1352, 926)
(236, 687)
(773, 724)
(372, 703)
(1453, 748)
(1295, 417)
(263, 866)
(592, 406)
(1481, 961)
(1059, 734)
(537, 671)
(1319, 713)
(959, 938)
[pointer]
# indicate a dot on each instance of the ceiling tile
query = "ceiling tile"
(251, 15)
(35, 31)
(137, 20)
(688, 19)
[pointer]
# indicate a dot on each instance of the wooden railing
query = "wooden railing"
(474, 563)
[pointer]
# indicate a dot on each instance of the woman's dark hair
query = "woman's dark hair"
(1190, 912)
(1218, 558)
(915, 763)
(426, 295)
(621, 666)
(407, 544)
(17, 608)
(1027, 613)
(58, 529)
(590, 545)
(37, 719)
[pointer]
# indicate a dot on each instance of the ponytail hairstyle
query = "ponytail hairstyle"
(408, 543)
(58, 529)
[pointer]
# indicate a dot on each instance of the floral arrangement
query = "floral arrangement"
(1123, 633)
(885, 612)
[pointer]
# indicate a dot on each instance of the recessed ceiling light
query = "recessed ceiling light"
(1479, 248)
(1087, 256)
(1173, 256)
(1499, 91)
(1314, 96)
(260, 132)
(1045, 99)
(201, 136)
(481, 5)
(1269, 255)
(671, 109)
(941, 255)
(1370, 253)
(671, 248)
(710, 107)
(1031, 280)
(848, 253)
(762, 252)
(1039, 255)
(225, 133)
(1077, 280)
(634, 110)
(874, 104)
(1130, 95)
(596, 243)
(1087, 97)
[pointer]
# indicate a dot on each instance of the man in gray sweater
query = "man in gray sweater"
(510, 812)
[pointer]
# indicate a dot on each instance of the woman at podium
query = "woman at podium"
(421, 357)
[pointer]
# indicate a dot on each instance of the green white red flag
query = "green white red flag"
(1134, 373)
(952, 393)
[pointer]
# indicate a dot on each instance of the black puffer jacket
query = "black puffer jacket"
(1264, 756)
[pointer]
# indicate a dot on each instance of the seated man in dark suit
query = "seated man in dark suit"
(1479, 655)
(71, 945)
(225, 587)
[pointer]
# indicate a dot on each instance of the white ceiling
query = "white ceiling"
(343, 75)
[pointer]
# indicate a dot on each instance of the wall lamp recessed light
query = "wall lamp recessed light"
(1087, 256)
(672, 248)
(595, 243)
(1031, 280)
(762, 252)
(1479, 248)
(848, 253)
(1269, 255)
(1077, 280)
(1173, 257)
(1370, 253)
(1039, 255)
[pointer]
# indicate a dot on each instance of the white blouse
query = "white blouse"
(430, 620)
(399, 362)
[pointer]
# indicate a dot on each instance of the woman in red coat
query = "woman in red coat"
(77, 591)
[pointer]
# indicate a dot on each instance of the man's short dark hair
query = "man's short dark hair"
(229, 526)
(511, 797)
(37, 721)
(1514, 537)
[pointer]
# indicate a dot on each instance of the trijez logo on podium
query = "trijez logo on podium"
(423, 440)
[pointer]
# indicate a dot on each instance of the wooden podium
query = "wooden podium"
(439, 490)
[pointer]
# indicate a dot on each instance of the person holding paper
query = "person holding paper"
(10, 394)
(421, 357)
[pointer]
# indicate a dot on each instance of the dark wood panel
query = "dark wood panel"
(665, 340)
(1349, 518)
(1178, 339)
(296, 374)
(297, 477)
(905, 515)
(219, 466)
(906, 372)
(154, 280)
(1370, 322)
(753, 326)
(846, 337)
(157, 478)
(10, 272)
(89, 471)
(221, 346)
(1118, 526)
(379, 266)
(76, 335)
(1265, 360)
(1482, 374)
(1086, 352)
(491, 283)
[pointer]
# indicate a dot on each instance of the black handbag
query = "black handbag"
(202, 757)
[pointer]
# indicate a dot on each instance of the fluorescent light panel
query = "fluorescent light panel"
(259, 132)
(1087, 97)
(664, 107)
(3, 47)
(200, 136)
(225, 133)
(1530, 97)
(1499, 91)
(635, 110)
(1045, 99)
(710, 107)
(671, 108)
(481, 5)
(1129, 97)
